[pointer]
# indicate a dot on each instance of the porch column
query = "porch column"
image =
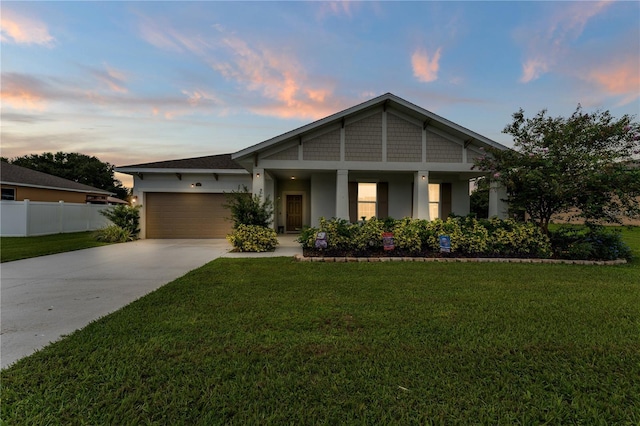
(342, 194)
(497, 207)
(421, 195)
(258, 183)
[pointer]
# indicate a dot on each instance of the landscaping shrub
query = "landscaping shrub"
(113, 234)
(253, 238)
(414, 237)
(247, 209)
(124, 216)
(588, 242)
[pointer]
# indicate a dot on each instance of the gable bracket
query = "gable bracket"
(255, 160)
(384, 105)
(342, 123)
(426, 123)
(179, 176)
(468, 142)
(300, 141)
(140, 175)
(215, 176)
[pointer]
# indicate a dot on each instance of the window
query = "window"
(8, 193)
(434, 201)
(367, 200)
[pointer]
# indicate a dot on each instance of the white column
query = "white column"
(342, 194)
(258, 183)
(421, 195)
(497, 206)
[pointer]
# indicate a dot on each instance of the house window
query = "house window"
(367, 200)
(8, 193)
(434, 201)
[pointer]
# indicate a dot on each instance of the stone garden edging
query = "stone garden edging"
(302, 258)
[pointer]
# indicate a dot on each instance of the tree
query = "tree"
(76, 167)
(585, 164)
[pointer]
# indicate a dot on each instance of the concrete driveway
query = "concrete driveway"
(47, 297)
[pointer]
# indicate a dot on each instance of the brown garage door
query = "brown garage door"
(178, 215)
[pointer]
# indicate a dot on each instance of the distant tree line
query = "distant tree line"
(81, 168)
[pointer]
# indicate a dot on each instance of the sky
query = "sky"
(135, 82)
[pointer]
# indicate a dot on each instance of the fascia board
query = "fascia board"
(128, 170)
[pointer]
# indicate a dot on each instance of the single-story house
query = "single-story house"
(20, 183)
(384, 157)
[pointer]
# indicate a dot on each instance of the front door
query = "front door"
(294, 212)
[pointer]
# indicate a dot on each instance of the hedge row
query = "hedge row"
(414, 237)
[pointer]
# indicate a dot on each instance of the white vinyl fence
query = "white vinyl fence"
(27, 218)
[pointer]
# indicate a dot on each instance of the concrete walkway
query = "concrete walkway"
(47, 297)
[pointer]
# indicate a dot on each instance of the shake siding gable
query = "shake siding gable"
(404, 140)
(322, 148)
(363, 139)
(286, 154)
(441, 150)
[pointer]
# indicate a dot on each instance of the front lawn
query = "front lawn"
(15, 248)
(272, 341)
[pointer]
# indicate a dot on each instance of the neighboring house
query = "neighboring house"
(20, 183)
(384, 157)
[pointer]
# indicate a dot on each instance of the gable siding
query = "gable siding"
(286, 154)
(404, 140)
(441, 150)
(363, 139)
(323, 148)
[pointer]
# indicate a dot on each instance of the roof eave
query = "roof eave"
(133, 170)
(56, 188)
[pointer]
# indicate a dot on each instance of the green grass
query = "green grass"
(272, 341)
(16, 248)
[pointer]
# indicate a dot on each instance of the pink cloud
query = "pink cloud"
(114, 79)
(277, 76)
(23, 92)
(618, 79)
(20, 29)
(548, 40)
(425, 69)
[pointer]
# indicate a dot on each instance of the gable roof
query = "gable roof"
(207, 164)
(11, 174)
(406, 107)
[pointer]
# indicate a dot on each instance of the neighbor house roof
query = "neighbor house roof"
(11, 174)
(211, 163)
(427, 117)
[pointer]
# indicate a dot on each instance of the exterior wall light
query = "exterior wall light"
(134, 199)
(258, 175)
(423, 177)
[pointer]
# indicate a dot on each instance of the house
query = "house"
(384, 157)
(20, 183)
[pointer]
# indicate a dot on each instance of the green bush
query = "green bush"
(469, 237)
(253, 238)
(124, 216)
(247, 209)
(588, 242)
(113, 234)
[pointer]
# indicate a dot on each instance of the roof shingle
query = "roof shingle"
(11, 173)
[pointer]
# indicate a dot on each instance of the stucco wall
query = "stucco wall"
(323, 196)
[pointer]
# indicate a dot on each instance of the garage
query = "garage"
(180, 215)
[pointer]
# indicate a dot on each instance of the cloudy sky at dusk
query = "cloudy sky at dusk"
(132, 82)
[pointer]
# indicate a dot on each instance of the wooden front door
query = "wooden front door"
(294, 212)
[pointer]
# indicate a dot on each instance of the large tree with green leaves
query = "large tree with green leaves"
(80, 168)
(586, 164)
